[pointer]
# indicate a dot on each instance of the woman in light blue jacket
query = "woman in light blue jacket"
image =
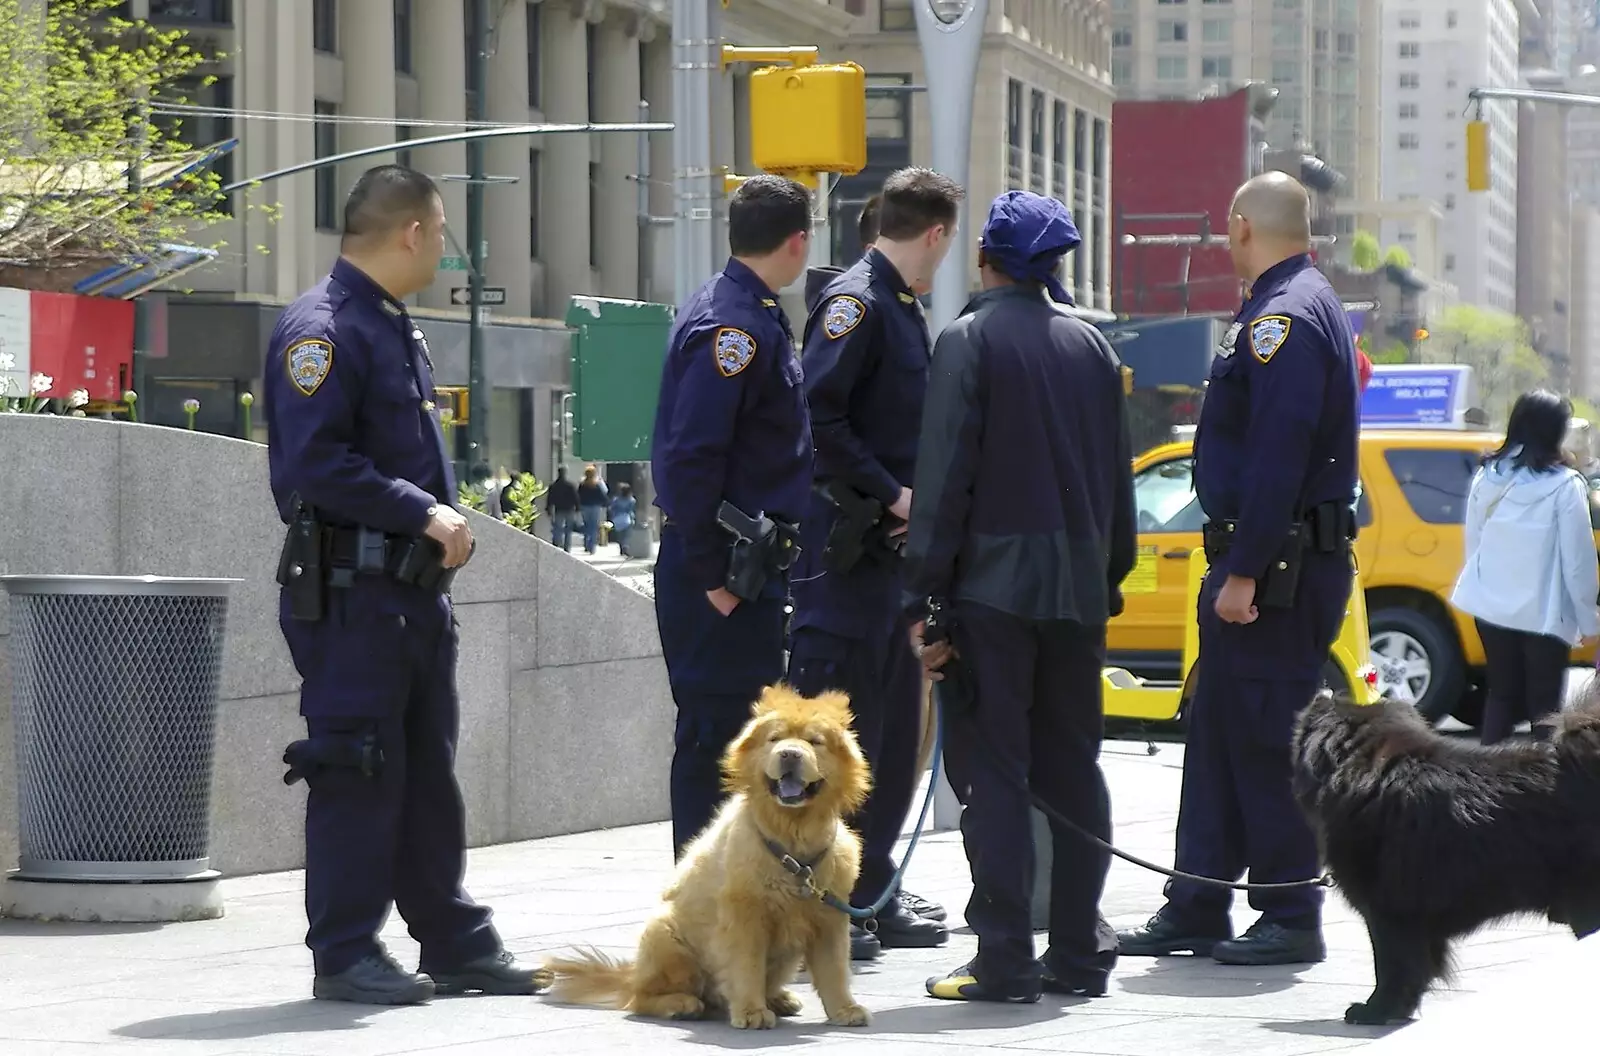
(1531, 579)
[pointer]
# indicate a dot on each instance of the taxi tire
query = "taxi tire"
(1449, 679)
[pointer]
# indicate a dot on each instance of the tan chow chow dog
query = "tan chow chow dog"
(734, 924)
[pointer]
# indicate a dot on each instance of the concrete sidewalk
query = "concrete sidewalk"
(241, 984)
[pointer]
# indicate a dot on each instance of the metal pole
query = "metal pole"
(696, 72)
(141, 306)
(950, 50)
(477, 388)
(644, 203)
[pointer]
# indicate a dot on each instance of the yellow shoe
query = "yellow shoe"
(963, 985)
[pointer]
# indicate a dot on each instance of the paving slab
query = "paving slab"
(240, 985)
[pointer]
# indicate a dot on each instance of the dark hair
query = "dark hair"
(386, 197)
(1535, 431)
(916, 199)
(867, 222)
(764, 212)
(624, 490)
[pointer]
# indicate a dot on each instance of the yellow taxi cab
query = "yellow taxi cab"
(1410, 549)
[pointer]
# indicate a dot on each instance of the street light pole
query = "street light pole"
(696, 71)
(951, 35)
(477, 390)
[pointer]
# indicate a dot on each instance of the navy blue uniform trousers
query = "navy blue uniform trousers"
(717, 666)
(383, 660)
(1037, 726)
(1236, 811)
(883, 679)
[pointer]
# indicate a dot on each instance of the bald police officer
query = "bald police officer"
(360, 472)
(732, 435)
(866, 367)
(1275, 472)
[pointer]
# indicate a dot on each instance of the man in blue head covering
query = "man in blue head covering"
(1025, 475)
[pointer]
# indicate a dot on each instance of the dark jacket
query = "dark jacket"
(561, 497)
(1024, 482)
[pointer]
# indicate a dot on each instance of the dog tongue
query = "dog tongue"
(791, 787)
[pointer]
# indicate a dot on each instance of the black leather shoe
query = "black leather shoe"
(1266, 943)
(1078, 982)
(1163, 935)
(922, 907)
(374, 980)
(899, 928)
(498, 973)
(864, 946)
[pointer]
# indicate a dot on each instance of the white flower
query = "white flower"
(191, 406)
(8, 361)
(41, 383)
(78, 398)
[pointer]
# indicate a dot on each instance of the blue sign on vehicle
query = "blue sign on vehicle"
(1414, 396)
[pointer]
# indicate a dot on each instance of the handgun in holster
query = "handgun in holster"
(762, 548)
(423, 566)
(957, 690)
(861, 527)
(301, 570)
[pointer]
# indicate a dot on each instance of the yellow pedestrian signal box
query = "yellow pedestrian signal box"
(1477, 155)
(809, 118)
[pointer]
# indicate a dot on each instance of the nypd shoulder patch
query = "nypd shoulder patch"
(308, 363)
(734, 350)
(1267, 335)
(1229, 340)
(842, 315)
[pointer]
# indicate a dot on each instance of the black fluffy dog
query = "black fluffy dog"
(1431, 838)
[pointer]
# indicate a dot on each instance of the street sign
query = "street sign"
(453, 264)
(491, 295)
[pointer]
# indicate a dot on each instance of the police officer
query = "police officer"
(866, 370)
(731, 427)
(359, 469)
(1021, 534)
(818, 276)
(1275, 472)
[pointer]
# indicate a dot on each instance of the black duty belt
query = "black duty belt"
(1328, 528)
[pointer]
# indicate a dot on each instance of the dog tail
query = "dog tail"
(590, 977)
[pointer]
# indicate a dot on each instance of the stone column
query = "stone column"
(505, 205)
(658, 91)
(366, 45)
(564, 170)
(274, 46)
(441, 65)
(617, 97)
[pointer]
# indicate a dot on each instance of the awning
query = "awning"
(134, 277)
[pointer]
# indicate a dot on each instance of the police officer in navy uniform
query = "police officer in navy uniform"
(865, 359)
(1275, 472)
(1022, 531)
(819, 275)
(360, 472)
(731, 427)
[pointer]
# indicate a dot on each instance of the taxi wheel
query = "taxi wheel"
(1417, 661)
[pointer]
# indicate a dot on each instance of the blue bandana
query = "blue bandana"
(1026, 236)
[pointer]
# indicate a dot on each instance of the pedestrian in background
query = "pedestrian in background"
(1530, 580)
(1023, 528)
(591, 507)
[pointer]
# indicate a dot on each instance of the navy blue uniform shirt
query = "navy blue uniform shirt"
(866, 364)
(731, 424)
(1278, 431)
(348, 395)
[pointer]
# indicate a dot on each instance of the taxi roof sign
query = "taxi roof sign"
(1419, 396)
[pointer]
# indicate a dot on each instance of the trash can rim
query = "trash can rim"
(146, 586)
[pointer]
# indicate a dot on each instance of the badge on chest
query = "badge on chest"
(1225, 349)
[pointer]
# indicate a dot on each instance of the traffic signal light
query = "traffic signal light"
(1477, 155)
(809, 118)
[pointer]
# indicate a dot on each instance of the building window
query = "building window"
(591, 53)
(1450, 20)
(403, 20)
(325, 26)
(896, 15)
(1409, 111)
(1014, 134)
(1100, 240)
(1345, 43)
(1410, 80)
(1410, 49)
(1288, 35)
(534, 157)
(1172, 32)
(1410, 141)
(200, 12)
(889, 113)
(535, 52)
(1172, 68)
(325, 138)
(1058, 152)
(1171, 3)
(1122, 37)
(1219, 66)
(1449, 262)
(1036, 181)
(1449, 201)
(1121, 72)
(1410, 20)
(594, 215)
(1216, 31)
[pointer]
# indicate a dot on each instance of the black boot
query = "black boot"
(498, 973)
(1267, 943)
(899, 928)
(1164, 934)
(374, 980)
(864, 946)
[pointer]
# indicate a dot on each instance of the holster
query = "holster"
(300, 565)
(861, 527)
(308, 758)
(763, 547)
(1327, 528)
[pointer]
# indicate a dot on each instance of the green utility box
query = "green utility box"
(618, 348)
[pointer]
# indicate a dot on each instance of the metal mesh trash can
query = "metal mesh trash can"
(114, 695)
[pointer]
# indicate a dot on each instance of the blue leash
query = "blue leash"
(869, 916)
